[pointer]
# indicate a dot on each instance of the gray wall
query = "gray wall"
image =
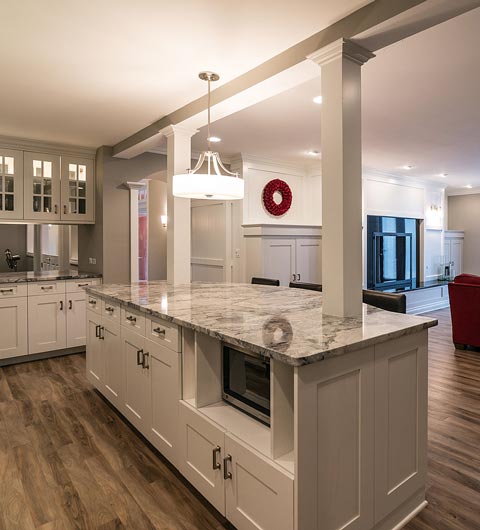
(108, 241)
(464, 214)
(157, 234)
(14, 237)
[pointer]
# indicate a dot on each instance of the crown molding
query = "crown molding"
(178, 130)
(341, 48)
(26, 144)
(453, 192)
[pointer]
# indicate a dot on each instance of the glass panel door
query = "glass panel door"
(11, 184)
(42, 186)
(77, 189)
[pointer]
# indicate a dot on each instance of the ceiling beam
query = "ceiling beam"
(377, 23)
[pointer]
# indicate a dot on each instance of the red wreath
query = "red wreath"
(267, 196)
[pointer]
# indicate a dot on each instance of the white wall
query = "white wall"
(409, 198)
(305, 184)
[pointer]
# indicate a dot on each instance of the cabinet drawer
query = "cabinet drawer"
(74, 286)
(94, 304)
(36, 288)
(10, 290)
(164, 332)
(111, 311)
(133, 320)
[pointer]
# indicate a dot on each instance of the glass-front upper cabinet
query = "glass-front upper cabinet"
(77, 190)
(11, 184)
(42, 186)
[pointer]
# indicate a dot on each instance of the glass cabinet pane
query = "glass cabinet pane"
(73, 205)
(37, 186)
(72, 171)
(47, 169)
(9, 184)
(1, 165)
(37, 168)
(47, 204)
(47, 186)
(9, 165)
(9, 202)
(37, 204)
(82, 203)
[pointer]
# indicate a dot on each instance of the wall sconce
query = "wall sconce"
(435, 208)
(163, 219)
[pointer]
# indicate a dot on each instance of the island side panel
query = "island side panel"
(334, 443)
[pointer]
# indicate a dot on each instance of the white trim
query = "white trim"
(25, 144)
(134, 187)
(341, 48)
(410, 516)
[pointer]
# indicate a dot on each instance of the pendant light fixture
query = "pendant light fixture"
(209, 179)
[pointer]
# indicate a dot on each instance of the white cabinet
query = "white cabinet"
(13, 328)
(257, 493)
(11, 184)
(453, 249)
(75, 314)
(113, 375)
(77, 190)
(285, 253)
(136, 362)
(41, 187)
(46, 323)
(201, 455)
(249, 489)
(95, 357)
(164, 396)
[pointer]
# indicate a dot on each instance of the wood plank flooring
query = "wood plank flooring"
(68, 460)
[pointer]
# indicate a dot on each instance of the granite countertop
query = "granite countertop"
(30, 276)
(279, 322)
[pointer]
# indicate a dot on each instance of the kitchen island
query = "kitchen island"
(346, 444)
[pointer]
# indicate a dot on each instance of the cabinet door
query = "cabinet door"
(13, 329)
(164, 399)
(11, 184)
(258, 494)
(46, 323)
(279, 260)
(114, 366)
(457, 255)
(309, 260)
(76, 324)
(41, 186)
(401, 374)
(95, 358)
(201, 453)
(136, 379)
(77, 190)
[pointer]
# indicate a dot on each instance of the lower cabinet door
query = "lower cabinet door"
(13, 328)
(164, 398)
(201, 455)
(258, 493)
(114, 366)
(47, 330)
(95, 359)
(136, 380)
(76, 325)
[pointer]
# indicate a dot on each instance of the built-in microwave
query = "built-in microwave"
(246, 382)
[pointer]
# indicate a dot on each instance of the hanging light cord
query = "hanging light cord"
(208, 128)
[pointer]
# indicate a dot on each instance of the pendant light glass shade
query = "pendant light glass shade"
(209, 179)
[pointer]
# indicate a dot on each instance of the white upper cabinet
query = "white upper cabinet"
(77, 190)
(42, 187)
(11, 184)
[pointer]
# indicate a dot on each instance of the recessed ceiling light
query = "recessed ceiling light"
(318, 100)
(443, 175)
(469, 186)
(214, 139)
(407, 167)
(313, 152)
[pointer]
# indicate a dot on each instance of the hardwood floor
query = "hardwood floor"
(67, 460)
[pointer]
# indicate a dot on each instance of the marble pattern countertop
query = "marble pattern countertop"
(30, 276)
(279, 322)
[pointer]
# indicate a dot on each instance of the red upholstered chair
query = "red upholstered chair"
(464, 295)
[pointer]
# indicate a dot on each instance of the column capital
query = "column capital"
(341, 48)
(135, 185)
(178, 130)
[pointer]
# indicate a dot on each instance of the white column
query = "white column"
(179, 154)
(134, 187)
(341, 176)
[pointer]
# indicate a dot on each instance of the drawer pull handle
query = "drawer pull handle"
(226, 474)
(145, 356)
(48, 288)
(215, 463)
(6, 290)
(92, 302)
(83, 284)
(139, 357)
(160, 331)
(97, 331)
(70, 304)
(102, 335)
(109, 309)
(131, 319)
(61, 305)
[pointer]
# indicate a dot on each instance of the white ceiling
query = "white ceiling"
(421, 107)
(91, 73)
